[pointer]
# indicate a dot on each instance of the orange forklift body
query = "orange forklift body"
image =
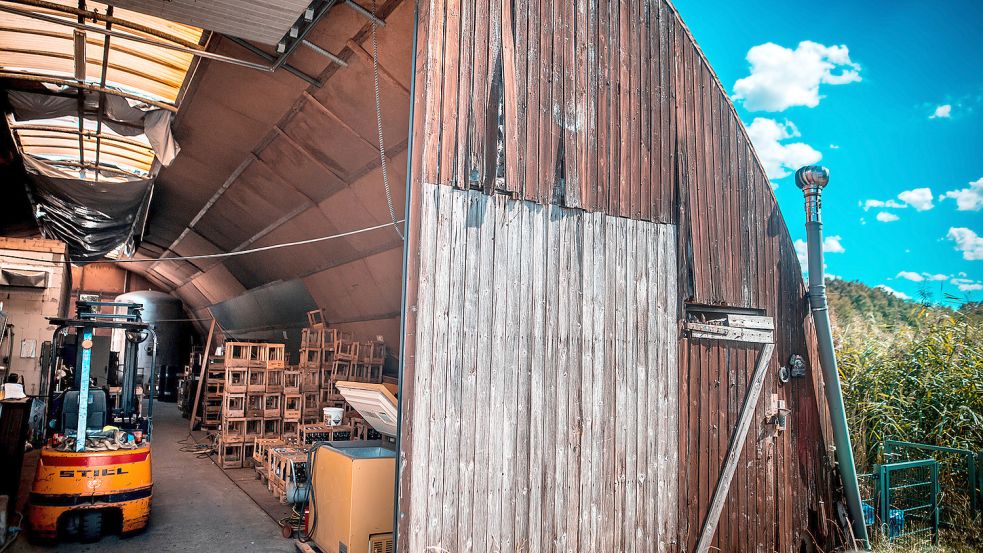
(68, 481)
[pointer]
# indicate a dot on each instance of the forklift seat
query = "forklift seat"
(96, 416)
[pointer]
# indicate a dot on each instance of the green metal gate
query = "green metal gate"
(902, 499)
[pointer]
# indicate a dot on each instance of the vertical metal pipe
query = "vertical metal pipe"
(404, 308)
(811, 180)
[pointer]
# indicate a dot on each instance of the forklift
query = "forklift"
(93, 474)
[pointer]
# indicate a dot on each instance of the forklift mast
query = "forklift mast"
(125, 317)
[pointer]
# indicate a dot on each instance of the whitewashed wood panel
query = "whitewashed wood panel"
(544, 389)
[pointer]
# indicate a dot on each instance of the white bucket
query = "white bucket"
(333, 415)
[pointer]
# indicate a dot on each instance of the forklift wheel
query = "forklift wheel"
(90, 526)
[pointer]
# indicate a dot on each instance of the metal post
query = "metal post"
(365, 13)
(935, 503)
(84, 370)
(811, 180)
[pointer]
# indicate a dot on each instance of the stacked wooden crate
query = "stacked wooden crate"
(252, 398)
(279, 466)
(213, 394)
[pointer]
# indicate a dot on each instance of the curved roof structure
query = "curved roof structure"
(576, 182)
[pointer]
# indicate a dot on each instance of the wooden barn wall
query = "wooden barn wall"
(541, 415)
(609, 106)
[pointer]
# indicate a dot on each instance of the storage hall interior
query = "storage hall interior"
(213, 129)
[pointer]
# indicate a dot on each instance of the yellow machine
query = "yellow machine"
(84, 492)
(94, 473)
(352, 496)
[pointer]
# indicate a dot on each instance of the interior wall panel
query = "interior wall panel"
(541, 412)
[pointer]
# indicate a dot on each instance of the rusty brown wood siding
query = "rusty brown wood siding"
(609, 106)
(544, 396)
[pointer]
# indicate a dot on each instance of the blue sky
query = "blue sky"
(890, 95)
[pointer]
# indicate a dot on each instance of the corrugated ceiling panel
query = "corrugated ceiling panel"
(279, 305)
(217, 284)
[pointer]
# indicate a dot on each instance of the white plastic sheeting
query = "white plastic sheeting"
(120, 116)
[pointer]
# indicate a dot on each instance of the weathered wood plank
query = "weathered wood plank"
(466, 57)
(469, 371)
(423, 370)
(449, 95)
(484, 372)
(524, 421)
(444, 259)
(453, 374)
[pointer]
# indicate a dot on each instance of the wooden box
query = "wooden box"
(271, 405)
(230, 454)
(254, 405)
(234, 405)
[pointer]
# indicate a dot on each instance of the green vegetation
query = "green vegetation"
(913, 372)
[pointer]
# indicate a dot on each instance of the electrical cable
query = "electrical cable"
(225, 254)
(201, 451)
(378, 119)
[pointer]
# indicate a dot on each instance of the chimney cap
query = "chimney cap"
(812, 176)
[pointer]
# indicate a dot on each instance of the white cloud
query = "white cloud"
(781, 77)
(967, 199)
(834, 147)
(780, 159)
(886, 217)
(832, 244)
(893, 292)
(910, 275)
(967, 285)
(802, 252)
(880, 203)
(942, 112)
(918, 198)
(922, 277)
(967, 242)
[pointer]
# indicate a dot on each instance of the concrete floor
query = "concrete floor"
(196, 507)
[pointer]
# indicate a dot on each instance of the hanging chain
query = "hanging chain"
(378, 119)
